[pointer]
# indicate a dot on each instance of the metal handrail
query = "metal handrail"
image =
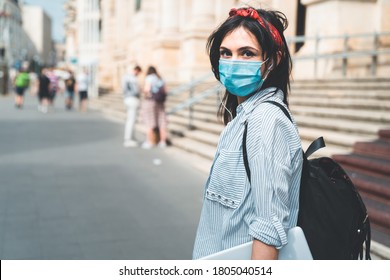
(344, 54)
(191, 101)
(193, 83)
(194, 100)
(303, 39)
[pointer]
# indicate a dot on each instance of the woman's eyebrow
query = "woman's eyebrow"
(241, 49)
(248, 48)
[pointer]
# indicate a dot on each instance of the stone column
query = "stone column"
(166, 44)
(290, 9)
(384, 20)
(338, 17)
(384, 42)
(194, 61)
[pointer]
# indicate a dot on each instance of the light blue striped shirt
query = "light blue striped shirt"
(236, 211)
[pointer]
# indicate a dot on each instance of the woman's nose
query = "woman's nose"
(234, 56)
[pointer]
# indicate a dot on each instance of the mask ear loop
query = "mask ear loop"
(268, 70)
(223, 104)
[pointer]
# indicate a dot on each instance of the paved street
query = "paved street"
(69, 190)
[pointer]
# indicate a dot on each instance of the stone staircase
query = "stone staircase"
(369, 168)
(344, 112)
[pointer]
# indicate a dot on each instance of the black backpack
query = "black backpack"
(160, 95)
(331, 213)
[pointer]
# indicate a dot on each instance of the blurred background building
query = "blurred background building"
(326, 37)
(25, 39)
(37, 25)
(109, 35)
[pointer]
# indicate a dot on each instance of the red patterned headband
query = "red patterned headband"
(252, 13)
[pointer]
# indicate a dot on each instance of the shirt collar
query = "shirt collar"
(248, 105)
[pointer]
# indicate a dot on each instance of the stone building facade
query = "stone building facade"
(171, 34)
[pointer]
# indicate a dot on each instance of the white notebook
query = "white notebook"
(296, 249)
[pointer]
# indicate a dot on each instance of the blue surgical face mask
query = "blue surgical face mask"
(241, 77)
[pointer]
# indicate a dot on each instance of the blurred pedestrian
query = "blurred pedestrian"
(131, 92)
(70, 84)
(54, 85)
(154, 115)
(21, 83)
(43, 91)
(82, 84)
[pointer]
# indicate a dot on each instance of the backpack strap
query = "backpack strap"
(281, 108)
(244, 152)
(314, 146)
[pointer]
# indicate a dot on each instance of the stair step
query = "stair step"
(361, 115)
(378, 148)
(202, 116)
(211, 109)
(362, 127)
(198, 135)
(382, 94)
(339, 138)
(196, 147)
(366, 163)
(204, 137)
(384, 134)
(341, 102)
(369, 183)
(380, 238)
(367, 84)
(198, 124)
(378, 213)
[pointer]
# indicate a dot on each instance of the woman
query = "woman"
(154, 112)
(250, 57)
(70, 84)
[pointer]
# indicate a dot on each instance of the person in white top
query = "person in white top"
(131, 92)
(154, 115)
(82, 88)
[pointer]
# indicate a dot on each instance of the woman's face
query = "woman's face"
(240, 44)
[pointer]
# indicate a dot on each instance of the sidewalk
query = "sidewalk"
(69, 190)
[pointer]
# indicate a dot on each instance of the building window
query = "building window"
(137, 5)
(301, 19)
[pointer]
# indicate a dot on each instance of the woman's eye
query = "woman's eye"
(248, 54)
(225, 53)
